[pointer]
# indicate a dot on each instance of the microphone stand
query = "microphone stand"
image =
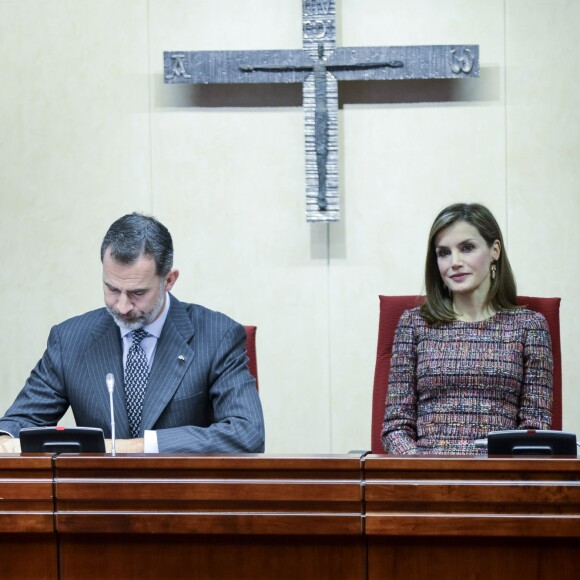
(110, 380)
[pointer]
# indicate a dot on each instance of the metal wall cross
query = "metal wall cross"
(319, 67)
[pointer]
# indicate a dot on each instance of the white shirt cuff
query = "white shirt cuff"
(150, 444)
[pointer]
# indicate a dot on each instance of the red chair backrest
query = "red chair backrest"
(391, 309)
(251, 350)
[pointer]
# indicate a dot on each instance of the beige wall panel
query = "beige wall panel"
(409, 149)
(74, 156)
(90, 132)
(228, 171)
(543, 137)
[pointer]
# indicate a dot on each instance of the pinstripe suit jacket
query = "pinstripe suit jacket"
(207, 403)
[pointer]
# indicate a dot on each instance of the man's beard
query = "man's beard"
(135, 322)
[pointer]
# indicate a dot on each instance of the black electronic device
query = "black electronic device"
(62, 440)
(531, 442)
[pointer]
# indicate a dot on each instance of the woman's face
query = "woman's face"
(464, 259)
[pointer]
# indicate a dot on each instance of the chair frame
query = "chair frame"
(251, 351)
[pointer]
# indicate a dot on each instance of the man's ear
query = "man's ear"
(170, 280)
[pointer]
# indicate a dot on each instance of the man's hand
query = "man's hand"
(124, 445)
(9, 444)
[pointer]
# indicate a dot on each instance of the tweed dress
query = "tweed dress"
(454, 383)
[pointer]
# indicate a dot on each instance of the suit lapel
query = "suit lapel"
(173, 356)
(102, 357)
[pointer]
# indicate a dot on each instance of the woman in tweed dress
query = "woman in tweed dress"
(468, 361)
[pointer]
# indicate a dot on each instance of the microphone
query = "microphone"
(110, 380)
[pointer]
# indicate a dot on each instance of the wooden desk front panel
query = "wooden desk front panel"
(243, 516)
(457, 518)
(28, 547)
(289, 517)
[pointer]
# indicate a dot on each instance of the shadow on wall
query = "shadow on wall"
(484, 89)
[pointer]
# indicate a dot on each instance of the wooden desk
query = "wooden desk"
(460, 518)
(262, 516)
(28, 547)
(231, 517)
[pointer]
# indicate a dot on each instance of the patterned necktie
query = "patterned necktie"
(136, 374)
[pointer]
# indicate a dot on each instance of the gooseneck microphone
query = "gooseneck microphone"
(110, 380)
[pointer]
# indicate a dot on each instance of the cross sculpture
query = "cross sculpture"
(319, 67)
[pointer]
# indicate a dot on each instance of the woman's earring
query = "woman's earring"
(493, 270)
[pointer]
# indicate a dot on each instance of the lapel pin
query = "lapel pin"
(181, 358)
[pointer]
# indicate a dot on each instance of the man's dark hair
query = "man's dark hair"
(136, 234)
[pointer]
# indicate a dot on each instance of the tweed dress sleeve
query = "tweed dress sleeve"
(535, 411)
(399, 434)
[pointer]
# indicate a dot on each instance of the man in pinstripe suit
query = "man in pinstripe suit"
(199, 395)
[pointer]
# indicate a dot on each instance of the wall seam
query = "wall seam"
(329, 340)
(506, 121)
(150, 98)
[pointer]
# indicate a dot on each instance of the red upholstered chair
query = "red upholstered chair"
(251, 350)
(391, 308)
